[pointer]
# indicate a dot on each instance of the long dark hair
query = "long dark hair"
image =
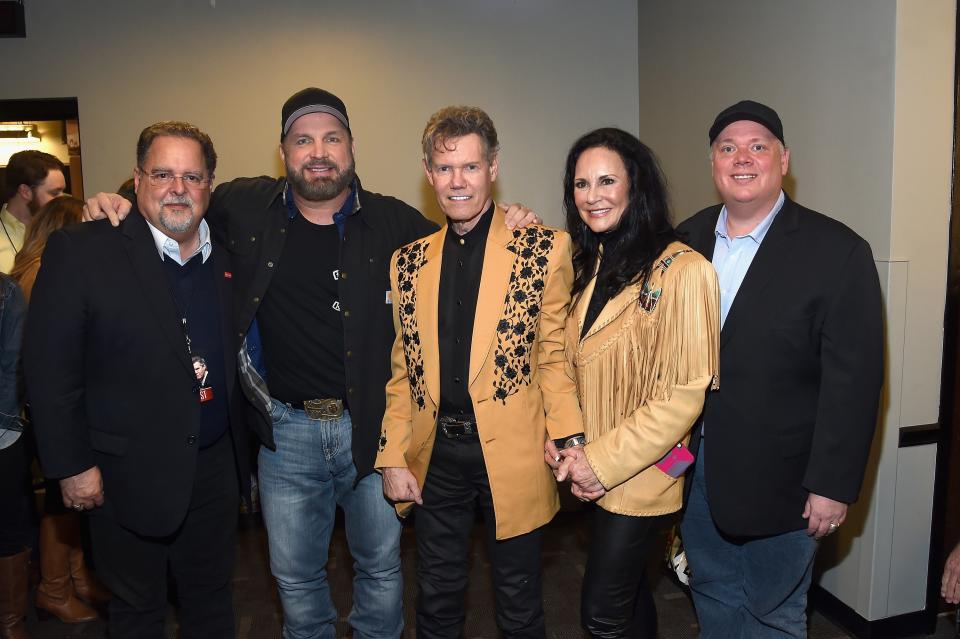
(630, 250)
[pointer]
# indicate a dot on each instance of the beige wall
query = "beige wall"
(865, 91)
(545, 70)
(825, 66)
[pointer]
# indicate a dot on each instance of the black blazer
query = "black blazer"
(801, 368)
(108, 375)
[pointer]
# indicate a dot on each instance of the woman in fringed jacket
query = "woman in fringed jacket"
(643, 340)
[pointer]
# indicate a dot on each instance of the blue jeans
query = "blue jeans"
(753, 588)
(301, 485)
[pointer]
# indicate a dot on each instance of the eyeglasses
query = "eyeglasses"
(166, 178)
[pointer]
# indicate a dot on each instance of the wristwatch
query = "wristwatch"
(570, 442)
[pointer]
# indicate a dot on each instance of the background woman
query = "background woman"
(65, 582)
(57, 213)
(17, 516)
(643, 338)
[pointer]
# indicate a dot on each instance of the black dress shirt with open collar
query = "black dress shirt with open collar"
(460, 273)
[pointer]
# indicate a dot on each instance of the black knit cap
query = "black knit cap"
(312, 100)
(748, 110)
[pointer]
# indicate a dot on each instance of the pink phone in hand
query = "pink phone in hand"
(677, 461)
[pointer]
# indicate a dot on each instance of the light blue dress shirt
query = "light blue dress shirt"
(171, 248)
(732, 256)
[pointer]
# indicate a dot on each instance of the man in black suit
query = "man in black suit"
(782, 445)
(114, 322)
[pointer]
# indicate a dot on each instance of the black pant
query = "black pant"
(456, 483)
(17, 513)
(616, 599)
(199, 556)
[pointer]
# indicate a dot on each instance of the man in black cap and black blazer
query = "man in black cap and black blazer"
(782, 446)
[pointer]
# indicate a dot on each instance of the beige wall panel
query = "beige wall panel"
(546, 71)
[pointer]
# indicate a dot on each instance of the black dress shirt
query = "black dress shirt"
(460, 272)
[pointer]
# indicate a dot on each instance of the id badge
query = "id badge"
(206, 394)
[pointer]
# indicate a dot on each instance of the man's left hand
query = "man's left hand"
(518, 216)
(820, 512)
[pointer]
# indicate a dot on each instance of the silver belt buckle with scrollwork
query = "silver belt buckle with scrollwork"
(323, 409)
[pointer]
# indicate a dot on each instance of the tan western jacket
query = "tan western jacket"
(520, 382)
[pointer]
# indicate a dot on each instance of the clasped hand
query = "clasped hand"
(571, 463)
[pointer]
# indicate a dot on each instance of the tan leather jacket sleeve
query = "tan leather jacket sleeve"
(557, 383)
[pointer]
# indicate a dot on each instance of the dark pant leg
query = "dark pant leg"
(443, 524)
(134, 568)
(616, 600)
(202, 552)
(17, 514)
(516, 574)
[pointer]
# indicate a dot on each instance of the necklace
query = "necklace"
(9, 239)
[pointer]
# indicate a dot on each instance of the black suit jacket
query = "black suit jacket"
(108, 374)
(801, 368)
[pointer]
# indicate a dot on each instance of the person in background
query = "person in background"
(950, 581)
(32, 179)
(55, 214)
(643, 340)
(65, 581)
(17, 516)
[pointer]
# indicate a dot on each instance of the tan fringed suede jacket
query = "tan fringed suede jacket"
(643, 370)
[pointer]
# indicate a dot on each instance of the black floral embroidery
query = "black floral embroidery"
(516, 332)
(409, 260)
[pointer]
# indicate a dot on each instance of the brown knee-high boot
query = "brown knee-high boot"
(55, 594)
(14, 573)
(85, 583)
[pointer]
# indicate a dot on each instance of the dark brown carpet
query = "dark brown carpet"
(258, 610)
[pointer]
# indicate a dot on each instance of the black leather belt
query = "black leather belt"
(325, 409)
(458, 427)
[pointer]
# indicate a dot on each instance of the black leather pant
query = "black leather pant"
(616, 599)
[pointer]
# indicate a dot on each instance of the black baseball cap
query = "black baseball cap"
(312, 100)
(748, 110)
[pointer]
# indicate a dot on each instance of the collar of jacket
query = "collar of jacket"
(278, 192)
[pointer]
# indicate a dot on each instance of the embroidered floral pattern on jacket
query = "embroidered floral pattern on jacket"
(649, 296)
(409, 260)
(517, 328)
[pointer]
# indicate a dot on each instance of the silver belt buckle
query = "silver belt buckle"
(456, 428)
(323, 409)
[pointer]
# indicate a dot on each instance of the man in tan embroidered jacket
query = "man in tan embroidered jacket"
(480, 380)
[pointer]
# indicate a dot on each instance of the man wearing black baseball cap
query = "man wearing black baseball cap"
(311, 257)
(801, 367)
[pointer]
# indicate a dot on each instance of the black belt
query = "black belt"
(327, 408)
(458, 427)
